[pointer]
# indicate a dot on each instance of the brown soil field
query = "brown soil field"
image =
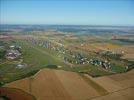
(125, 94)
(85, 47)
(5, 38)
(128, 51)
(109, 84)
(77, 88)
(15, 94)
(22, 37)
(50, 84)
(95, 46)
(105, 46)
(119, 86)
(116, 82)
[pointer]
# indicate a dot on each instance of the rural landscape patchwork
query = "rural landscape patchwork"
(65, 63)
(66, 49)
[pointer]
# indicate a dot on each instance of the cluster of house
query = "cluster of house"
(13, 52)
(78, 58)
(49, 45)
(46, 44)
(112, 54)
(73, 57)
(105, 64)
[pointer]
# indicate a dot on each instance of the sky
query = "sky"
(70, 12)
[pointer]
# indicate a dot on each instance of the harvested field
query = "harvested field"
(105, 46)
(119, 86)
(128, 52)
(108, 84)
(14, 94)
(56, 85)
(85, 47)
(64, 85)
(6, 37)
(116, 82)
(125, 79)
(95, 46)
(76, 86)
(22, 37)
(127, 49)
(125, 94)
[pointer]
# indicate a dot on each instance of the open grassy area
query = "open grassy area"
(35, 59)
(91, 70)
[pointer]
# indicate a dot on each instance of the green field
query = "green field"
(35, 58)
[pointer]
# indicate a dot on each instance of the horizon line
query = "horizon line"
(73, 24)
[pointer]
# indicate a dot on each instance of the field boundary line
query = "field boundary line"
(95, 85)
(109, 93)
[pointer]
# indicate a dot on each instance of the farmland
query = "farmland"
(59, 85)
(57, 65)
(56, 85)
(14, 94)
(119, 86)
(52, 51)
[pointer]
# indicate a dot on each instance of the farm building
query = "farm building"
(12, 54)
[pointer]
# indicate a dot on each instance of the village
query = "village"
(75, 57)
(35, 52)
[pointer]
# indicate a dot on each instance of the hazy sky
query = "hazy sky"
(91, 12)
